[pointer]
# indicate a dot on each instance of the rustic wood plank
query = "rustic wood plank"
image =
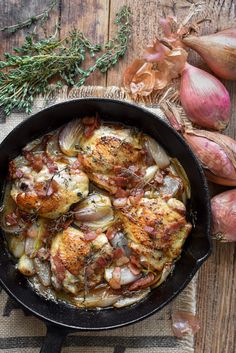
(15, 11)
(91, 17)
(216, 301)
(216, 285)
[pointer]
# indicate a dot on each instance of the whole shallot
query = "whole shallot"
(204, 98)
(223, 208)
(218, 50)
(217, 153)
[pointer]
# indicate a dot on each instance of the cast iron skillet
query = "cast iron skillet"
(60, 318)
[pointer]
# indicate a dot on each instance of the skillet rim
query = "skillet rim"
(207, 235)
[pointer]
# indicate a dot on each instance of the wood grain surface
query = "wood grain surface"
(216, 285)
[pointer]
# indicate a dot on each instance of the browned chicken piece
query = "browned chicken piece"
(49, 193)
(78, 263)
(156, 230)
(108, 152)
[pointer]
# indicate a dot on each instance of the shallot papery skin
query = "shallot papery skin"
(204, 98)
(217, 153)
(223, 208)
(184, 323)
(218, 51)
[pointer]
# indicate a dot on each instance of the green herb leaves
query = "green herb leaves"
(37, 64)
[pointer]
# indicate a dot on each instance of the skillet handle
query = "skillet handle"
(54, 339)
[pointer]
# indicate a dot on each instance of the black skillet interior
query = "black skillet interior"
(196, 248)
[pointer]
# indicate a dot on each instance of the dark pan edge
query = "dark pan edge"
(198, 262)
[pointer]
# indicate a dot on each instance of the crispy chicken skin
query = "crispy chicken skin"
(50, 194)
(76, 262)
(97, 212)
(72, 249)
(110, 146)
(156, 229)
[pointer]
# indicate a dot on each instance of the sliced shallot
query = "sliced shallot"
(43, 271)
(158, 153)
(126, 276)
(70, 137)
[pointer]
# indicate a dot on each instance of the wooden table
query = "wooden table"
(216, 285)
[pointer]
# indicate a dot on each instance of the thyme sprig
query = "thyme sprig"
(30, 71)
(41, 17)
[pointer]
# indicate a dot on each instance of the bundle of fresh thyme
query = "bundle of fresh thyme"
(30, 71)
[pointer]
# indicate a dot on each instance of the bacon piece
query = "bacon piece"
(90, 235)
(52, 167)
(134, 265)
(135, 261)
(148, 229)
(123, 260)
(118, 252)
(134, 269)
(14, 173)
(143, 282)
(117, 169)
(158, 178)
(115, 281)
(120, 181)
(12, 219)
(59, 268)
(53, 187)
(35, 160)
(120, 193)
(46, 189)
(91, 124)
(102, 261)
(67, 223)
(111, 231)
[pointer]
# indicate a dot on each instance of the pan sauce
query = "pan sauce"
(94, 213)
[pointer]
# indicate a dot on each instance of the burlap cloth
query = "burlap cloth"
(21, 333)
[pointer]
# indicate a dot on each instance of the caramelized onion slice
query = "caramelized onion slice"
(182, 174)
(126, 301)
(150, 173)
(126, 276)
(43, 271)
(36, 145)
(168, 268)
(120, 241)
(70, 137)
(157, 153)
(53, 149)
(93, 208)
(100, 298)
(26, 266)
(16, 245)
(9, 207)
(95, 212)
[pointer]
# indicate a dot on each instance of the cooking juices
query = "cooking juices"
(94, 213)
